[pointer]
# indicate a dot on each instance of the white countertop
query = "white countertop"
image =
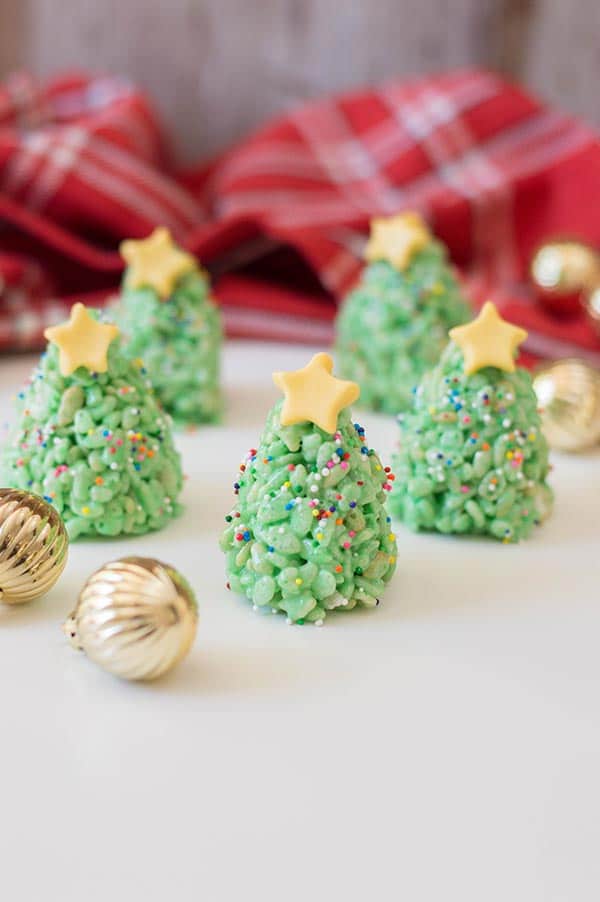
(444, 746)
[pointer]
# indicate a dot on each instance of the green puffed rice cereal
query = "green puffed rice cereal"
(310, 532)
(179, 340)
(394, 325)
(472, 455)
(96, 446)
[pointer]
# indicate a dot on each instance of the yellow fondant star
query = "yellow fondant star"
(397, 239)
(156, 262)
(82, 341)
(488, 340)
(313, 395)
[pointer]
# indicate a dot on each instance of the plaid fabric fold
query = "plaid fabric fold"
(280, 220)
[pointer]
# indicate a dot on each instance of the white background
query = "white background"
(444, 746)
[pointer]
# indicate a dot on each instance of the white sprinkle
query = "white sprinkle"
(318, 623)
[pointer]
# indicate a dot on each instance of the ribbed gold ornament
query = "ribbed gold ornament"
(135, 617)
(33, 546)
(568, 393)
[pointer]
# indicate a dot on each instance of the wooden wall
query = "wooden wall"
(218, 67)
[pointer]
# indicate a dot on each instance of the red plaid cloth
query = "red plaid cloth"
(280, 220)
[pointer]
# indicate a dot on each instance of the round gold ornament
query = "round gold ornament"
(562, 272)
(135, 617)
(33, 546)
(568, 393)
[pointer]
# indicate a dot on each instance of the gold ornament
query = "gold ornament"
(313, 395)
(33, 546)
(135, 617)
(591, 303)
(568, 393)
(562, 272)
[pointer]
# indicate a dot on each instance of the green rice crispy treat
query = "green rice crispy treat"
(171, 323)
(179, 340)
(96, 445)
(394, 325)
(310, 532)
(472, 455)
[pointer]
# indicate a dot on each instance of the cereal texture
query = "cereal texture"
(179, 340)
(95, 445)
(310, 531)
(394, 325)
(472, 456)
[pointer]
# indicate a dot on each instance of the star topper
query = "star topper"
(397, 239)
(488, 340)
(313, 395)
(156, 262)
(82, 341)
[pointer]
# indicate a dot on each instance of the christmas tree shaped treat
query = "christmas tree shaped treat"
(90, 437)
(310, 531)
(472, 455)
(172, 324)
(393, 326)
